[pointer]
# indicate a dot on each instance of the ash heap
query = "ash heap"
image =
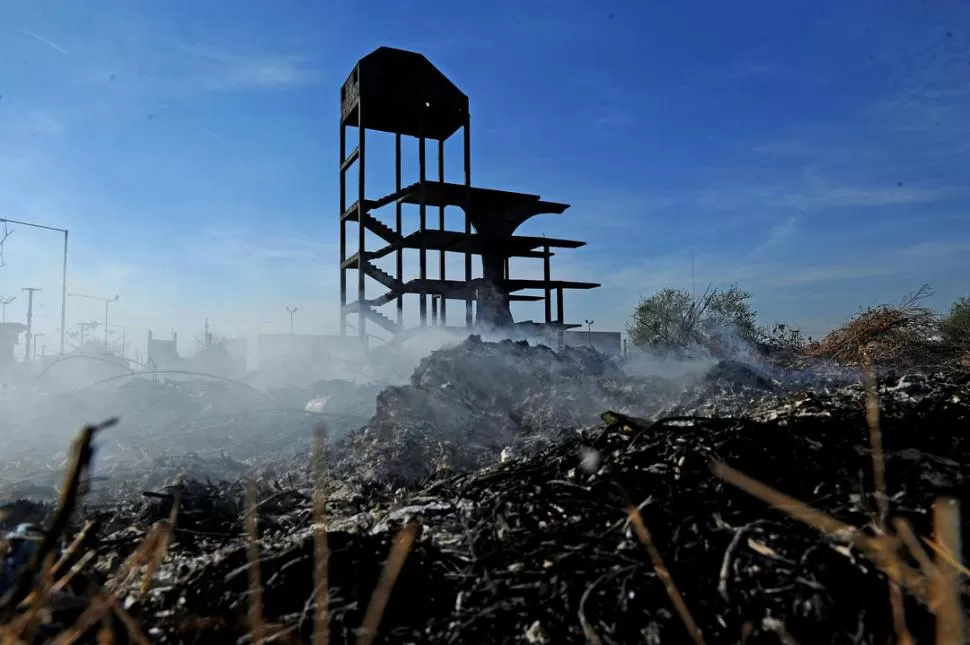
(520, 483)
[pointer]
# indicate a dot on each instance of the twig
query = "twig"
(73, 571)
(106, 634)
(321, 550)
(875, 446)
(81, 455)
(29, 629)
(161, 546)
(74, 546)
(945, 554)
(135, 560)
(131, 626)
(905, 533)
(950, 629)
(392, 568)
(588, 630)
(636, 519)
(903, 636)
(91, 616)
(882, 549)
(256, 626)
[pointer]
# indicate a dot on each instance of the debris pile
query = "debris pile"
(542, 547)
(904, 334)
(467, 403)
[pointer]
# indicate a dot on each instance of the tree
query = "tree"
(672, 318)
(955, 326)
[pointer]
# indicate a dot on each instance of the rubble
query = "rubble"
(467, 403)
(526, 535)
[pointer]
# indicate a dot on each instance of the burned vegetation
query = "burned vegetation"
(512, 493)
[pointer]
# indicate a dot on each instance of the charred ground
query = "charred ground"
(519, 462)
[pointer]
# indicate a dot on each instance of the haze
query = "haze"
(191, 151)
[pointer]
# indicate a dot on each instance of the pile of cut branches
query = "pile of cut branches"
(902, 334)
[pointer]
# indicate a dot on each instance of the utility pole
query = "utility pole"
(30, 319)
(107, 301)
(291, 312)
(84, 327)
(63, 271)
(4, 302)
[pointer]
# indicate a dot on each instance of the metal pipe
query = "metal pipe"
(361, 239)
(423, 250)
(468, 207)
(441, 226)
(343, 229)
(546, 273)
(398, 226)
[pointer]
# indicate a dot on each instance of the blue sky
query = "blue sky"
(817, 153)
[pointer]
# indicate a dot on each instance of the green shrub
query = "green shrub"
(672, 318)
(955, 327)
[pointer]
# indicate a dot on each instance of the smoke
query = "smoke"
(431, 389)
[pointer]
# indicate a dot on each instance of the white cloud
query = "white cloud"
(814, 192)
(36, 122)
(168, 71)
(936, 249)
(50, 43)
(814, 275)
(224, 71)
(250, 249)
(777, 236)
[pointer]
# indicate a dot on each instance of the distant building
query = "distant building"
(9, 338)
(162, 352)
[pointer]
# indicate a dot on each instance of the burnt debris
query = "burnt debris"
(520, 482)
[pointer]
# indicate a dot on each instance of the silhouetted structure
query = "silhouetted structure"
(9, 338)
(401, 92)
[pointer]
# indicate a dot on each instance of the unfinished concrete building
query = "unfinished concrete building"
(402, 93)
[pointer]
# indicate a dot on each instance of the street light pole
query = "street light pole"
(3, 303)
(64, 294)
(30, 319)
(63, 271)
(107, 301)
(291, 312)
